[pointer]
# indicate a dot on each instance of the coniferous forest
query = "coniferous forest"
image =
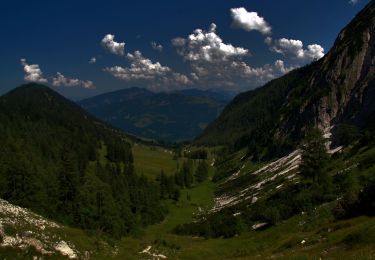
(61, 163)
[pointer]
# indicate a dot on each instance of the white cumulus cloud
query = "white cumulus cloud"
(249, 21)
(295, 48)
(92, 60)
(112, 46)
(314, 52)
(61, 80)
(32, 72)
(157, 47)
(207, 46)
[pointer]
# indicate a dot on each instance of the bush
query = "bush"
(367, 161)
(347, 134)
(364, 205)
(272, 215)
(222, 224)
(198, 154)
(360, 237)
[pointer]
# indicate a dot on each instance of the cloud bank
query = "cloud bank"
(143, 69)
(61, 80)
(216, 63)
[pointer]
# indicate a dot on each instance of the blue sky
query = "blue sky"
(240, 44)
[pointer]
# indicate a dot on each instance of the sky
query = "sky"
(84, 48)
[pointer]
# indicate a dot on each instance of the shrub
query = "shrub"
(364, 205)
(347, 134)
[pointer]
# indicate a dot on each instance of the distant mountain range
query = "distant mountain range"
(169, 117)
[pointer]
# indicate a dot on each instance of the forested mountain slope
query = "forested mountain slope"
(62, 163)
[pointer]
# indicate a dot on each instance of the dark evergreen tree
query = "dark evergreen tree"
(201, 173)
(314, 157)
(179, 179)
(176, 194)
(187, 171)
(68, 182)
(347, 134)
(163, 185)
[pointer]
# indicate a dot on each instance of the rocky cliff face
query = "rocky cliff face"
(342, 83)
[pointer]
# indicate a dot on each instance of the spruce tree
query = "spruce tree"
(201, 174)
(187, 170)
(163, 185)
(314, 157)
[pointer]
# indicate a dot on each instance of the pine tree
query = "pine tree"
(188, 173)
(176, 194)
(68, 179)
(314, 157)
(179, 179)
(163, 185)
(201, 174)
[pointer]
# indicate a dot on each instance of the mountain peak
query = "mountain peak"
(28, 87)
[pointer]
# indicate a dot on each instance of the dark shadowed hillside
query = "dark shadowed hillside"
(62, 163)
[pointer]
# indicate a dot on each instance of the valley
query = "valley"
(282, 171)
